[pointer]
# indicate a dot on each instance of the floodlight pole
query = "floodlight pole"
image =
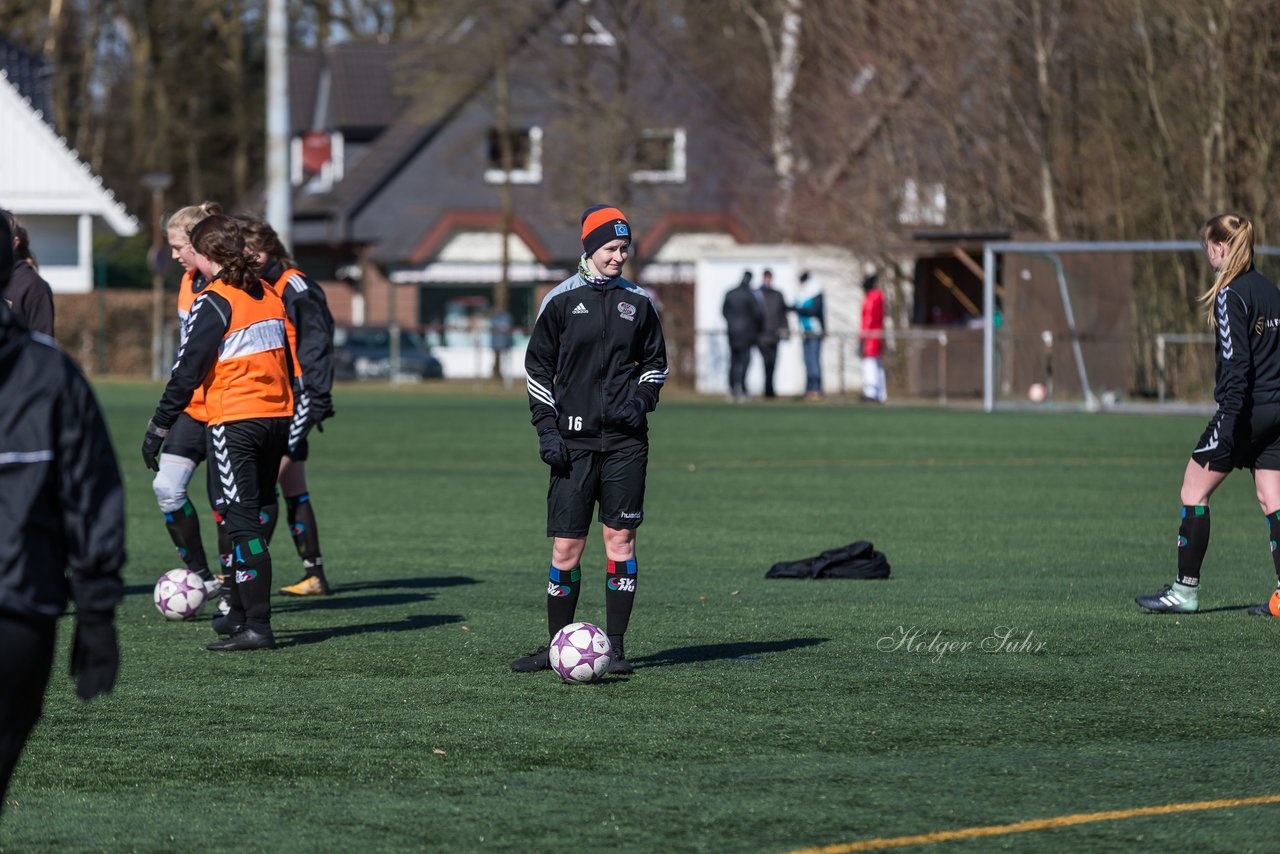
(279, 201)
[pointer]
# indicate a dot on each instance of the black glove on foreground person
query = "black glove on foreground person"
(151, 445)
(95, 656)
(552, 448)
(321, 409)
(631, 414)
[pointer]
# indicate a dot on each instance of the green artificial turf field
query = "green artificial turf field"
(763, 716)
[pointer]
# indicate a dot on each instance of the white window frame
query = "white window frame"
(330, 174)
(530, 175)
(678, 171)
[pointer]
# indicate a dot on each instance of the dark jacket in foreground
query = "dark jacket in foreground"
(61, 499)
(593, 348)
(31, 298)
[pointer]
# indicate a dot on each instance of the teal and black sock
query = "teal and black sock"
(619, 596)
(1193, 542)
(302, 527)
(253, 582)
(1273, 526)
(563, 587)
(225, 556)
(268, 515)
(184, 529)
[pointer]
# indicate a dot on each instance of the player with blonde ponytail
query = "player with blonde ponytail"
(174, 457)
(1244, 311)
(1228, 241)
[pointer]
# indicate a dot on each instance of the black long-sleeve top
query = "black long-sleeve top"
(61, 497)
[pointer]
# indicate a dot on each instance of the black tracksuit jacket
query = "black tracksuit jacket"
(1247, 348)
(593, 348)
(61, 498)
(31, 298)
(308, 311)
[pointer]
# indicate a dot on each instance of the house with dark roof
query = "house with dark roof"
(43, 181)
(399, 178)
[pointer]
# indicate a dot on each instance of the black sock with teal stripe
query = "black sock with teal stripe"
(619, 596)
(563, 587)
(252, 568)
(1193, 542)
(1273, 527)
(268, 515)
(302, 527)
(184, 529)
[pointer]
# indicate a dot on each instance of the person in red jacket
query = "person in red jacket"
(872, 341)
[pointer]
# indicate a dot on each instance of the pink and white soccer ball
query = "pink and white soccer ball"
(179, 594)
(580, 653)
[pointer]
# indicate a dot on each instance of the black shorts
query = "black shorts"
(244, 458)
(186, 439)
(1255, 444)
(614, 479)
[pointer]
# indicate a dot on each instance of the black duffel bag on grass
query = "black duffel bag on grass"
(856, 560)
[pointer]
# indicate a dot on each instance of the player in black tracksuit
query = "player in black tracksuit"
(61, 507)
(1244, 308)
(596, 362)
(308, 311)
(27, 294)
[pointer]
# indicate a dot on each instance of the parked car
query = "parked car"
(364, 352)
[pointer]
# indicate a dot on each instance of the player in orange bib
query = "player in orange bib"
(184, 446)
(238, 351)
(308, 311)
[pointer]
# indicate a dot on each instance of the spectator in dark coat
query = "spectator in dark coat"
(743, 317)
(773, 327)
(28, 295)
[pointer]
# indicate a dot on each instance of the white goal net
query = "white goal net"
(1098, 325)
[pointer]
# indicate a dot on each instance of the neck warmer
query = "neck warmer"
(585, 272)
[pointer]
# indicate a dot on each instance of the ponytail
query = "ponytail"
(1236, 231)
(221, 239)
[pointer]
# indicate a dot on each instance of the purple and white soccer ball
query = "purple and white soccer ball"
(580, 653)
(179, 594)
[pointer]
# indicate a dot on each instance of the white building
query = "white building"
(55, 195)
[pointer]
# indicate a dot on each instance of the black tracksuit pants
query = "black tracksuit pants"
(244, 458)
(26, 656)
(739, 360)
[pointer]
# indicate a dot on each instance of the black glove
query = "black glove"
(95, 656)
(321, 409)
(630, 414)
(552, 448)
(151, 445)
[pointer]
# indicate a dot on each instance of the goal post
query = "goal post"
(1105, 337)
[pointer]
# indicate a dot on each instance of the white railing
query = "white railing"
(846, 363)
